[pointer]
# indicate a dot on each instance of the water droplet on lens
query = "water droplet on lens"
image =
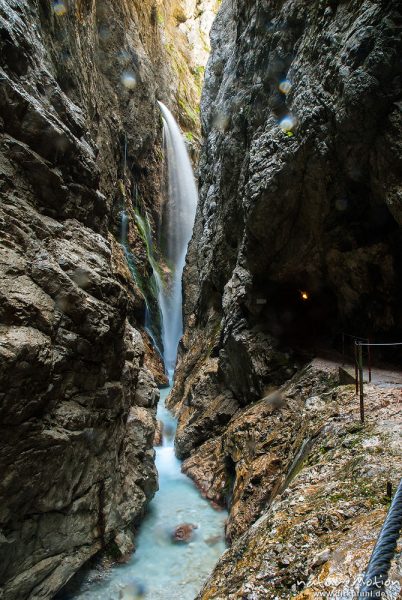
(133, 591)
(129, 80)
(59, 8)
(220, 121)
(341, 204)
(287, 123)
(104, 32)
(123, 55)
(285, 86)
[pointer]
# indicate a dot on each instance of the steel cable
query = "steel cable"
(375, 577)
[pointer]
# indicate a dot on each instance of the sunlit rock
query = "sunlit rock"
(221, 121)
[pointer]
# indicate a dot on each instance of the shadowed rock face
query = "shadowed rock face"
(297, 237)
(79, 142)
(298, 233)
(318, 209)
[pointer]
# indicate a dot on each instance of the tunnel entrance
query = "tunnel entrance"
(298, 315)
(307, 320)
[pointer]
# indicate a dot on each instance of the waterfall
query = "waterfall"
(123, 228)
(177, 228)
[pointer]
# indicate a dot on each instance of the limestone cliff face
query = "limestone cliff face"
(297, 238)
(298, 232)
(307, 488)
(184, 26)
(80, 162)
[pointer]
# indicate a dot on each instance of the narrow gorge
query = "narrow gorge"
(200, 393)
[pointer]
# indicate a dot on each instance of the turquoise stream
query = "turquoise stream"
(161, 569)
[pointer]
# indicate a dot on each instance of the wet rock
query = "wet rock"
(183, 533)
(153, 361)
(268, 289)
(206, 466)
(77, 394)
(158, 439)
(124, 546)
(311, 528)
(147, 394)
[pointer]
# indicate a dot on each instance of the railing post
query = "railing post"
(369, 359)
(360, 356)
(343, 348)
(356, 371)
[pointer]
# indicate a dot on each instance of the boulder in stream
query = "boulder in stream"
(183, 533)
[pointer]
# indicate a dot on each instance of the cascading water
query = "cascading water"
(177, 228)
(161, 569)
(123, 228)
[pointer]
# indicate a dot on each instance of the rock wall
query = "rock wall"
(80, 149)
(297, 239)
(307, 487)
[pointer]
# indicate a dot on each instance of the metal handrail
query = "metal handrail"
(359, 367)
(375, 577)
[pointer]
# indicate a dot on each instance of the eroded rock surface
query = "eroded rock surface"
(309, 490)
(80, 164)
(297, 239)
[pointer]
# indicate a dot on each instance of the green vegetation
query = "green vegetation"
(145, 232)
(189, 87)
(160, 18)
(191, 113)
(199, 73)
(189, 136)
(142, 274)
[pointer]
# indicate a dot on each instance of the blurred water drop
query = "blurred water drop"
(62, 303)
(341, 204)
(285, 86)
(129, 80)
(104, 32)
(133, 591)
(123, 55)
(59, 8)
(220, 121)
(64, 56)
(287, 123)
(61, 143)
(81, 278)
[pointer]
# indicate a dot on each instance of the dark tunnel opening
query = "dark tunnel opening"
(297, 315)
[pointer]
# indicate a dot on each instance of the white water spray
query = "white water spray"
(177, 226)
